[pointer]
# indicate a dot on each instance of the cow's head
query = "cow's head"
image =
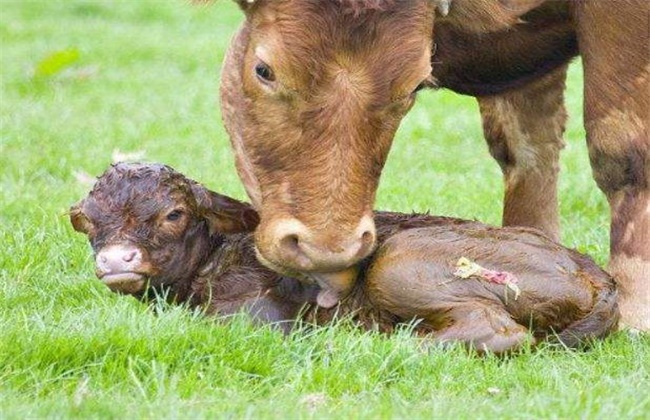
(312, 94)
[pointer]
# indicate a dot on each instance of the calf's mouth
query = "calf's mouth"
(127, 282)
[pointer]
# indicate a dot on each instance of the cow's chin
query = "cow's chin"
(334, 286)
(128, 283)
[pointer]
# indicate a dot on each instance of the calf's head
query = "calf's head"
(312, 94)
(148, 224)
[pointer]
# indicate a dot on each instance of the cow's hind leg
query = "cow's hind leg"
(615, 45)
(484, 329)
(524, 131)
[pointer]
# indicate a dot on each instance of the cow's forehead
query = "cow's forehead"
(312, 36)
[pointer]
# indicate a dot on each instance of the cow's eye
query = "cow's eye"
(174, 215)
(264, 72)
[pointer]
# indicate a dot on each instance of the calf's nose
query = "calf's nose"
(303, 249)
(118, 258)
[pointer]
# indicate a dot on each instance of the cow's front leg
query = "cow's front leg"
(524, 131)
(617, 120)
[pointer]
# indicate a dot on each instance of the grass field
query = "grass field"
(143, 76)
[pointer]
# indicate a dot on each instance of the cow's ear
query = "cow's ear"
(442, 6)
(225, 214)
(79, 220)
(520, 7)
(246, 5)
(485, 15)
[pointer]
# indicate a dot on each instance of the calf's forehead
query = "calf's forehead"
(136, 194)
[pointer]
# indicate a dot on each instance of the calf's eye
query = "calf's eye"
(174, 215)
(264, 72)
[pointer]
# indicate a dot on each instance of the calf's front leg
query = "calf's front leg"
(524, 130)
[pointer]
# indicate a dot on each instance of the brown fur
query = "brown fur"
(617, 119)
(324, 93)
(525, 138)
(194, 259)
(311, 146)
(484, 16)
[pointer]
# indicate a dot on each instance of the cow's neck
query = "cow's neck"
(481, 64)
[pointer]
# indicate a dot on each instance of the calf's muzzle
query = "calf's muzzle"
(121, 267)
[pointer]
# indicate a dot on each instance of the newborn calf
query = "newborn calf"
(152, 230)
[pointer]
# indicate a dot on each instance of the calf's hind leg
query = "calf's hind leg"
(617, 120)
(484, 329)
(524, 131)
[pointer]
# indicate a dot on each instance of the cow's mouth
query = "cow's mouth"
(125, 282)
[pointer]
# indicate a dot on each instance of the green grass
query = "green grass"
(147, 78)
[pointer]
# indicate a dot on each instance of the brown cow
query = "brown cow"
(313, 92)
(151, 226)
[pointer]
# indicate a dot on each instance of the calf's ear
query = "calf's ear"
(225, 214)
(78, 219)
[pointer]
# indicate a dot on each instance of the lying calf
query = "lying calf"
(152, 229)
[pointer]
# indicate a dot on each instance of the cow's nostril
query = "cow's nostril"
(298, 248)
(291, 250)
(367, 238)
(103, 258)
(290, 243)
(367, 243)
